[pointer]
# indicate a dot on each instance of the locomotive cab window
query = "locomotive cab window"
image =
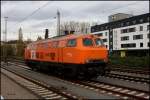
(71, 43)
(87, 42)
(99, 42)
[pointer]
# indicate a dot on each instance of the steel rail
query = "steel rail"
(112, 91)
(39, 83)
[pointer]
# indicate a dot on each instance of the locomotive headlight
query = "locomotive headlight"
(105, 60)
(87, 61)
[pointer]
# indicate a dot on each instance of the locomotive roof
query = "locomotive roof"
(56, 38)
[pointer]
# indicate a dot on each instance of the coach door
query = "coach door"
(60, 50)
(33, 54)
(60, 54)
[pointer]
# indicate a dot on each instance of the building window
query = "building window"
(132, 29)
(148, 19)
(141, 44)
(92, 29)
(148, 27)
(130, 45)
(135, 37)
(110, 36)
(124, 31)
(106, 27)
(134, 22)
(127, 23)
(141, 28)
(122, 24)
(124, 38)
(128, 30)
(105, 33)
(99, 34)
(110, 43)
(148, 44)
(104, 40)
(141, 20)
(148, 36)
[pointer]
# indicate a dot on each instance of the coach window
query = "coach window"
(45, 45)
(71, 43)
(87, 42)
(55, 44)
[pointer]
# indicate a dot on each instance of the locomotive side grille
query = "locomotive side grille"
(95, 61)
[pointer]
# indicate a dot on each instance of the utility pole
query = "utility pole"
(58, 23)
(5, 39)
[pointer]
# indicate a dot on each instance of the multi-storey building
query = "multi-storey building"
(118, 16)
(130, 34)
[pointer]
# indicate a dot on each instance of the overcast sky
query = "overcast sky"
(18, 13)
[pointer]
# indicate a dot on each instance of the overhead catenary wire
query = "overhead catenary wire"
(116, 8)
(35, 11)
(108, 10)
(31, 14)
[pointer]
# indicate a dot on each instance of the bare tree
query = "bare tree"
(72, 26)
(39, 38)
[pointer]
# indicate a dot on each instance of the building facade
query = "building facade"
(118, 16)
(130, 34)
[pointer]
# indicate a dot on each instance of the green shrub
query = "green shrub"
(130, 61)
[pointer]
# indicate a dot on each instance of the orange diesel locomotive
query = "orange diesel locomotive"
(71, 55)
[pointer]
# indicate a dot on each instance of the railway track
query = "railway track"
(43, 91)
(119, 68)
(119, 91)
(113, 67)
(113, 75)
(128, 78)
